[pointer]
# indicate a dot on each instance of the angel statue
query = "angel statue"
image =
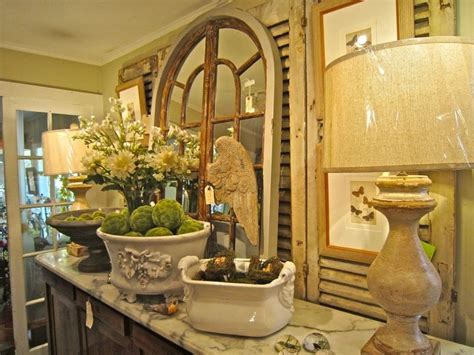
(234, 182)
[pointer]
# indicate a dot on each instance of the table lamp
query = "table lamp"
(405, 105)
(62, 155)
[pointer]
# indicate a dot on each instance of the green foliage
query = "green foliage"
(115, 223)
(141, 220)
(120, 161)
(158, 232)
(70, 219)
(168, 213)
(189, 225)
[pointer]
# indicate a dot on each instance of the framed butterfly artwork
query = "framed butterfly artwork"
(352, 221)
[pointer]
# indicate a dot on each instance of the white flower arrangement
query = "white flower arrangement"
(121, 160)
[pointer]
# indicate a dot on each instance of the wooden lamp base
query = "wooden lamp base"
(370, 348)
(402, 279)
(76, 185)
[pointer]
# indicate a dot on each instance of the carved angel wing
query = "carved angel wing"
(234, 183)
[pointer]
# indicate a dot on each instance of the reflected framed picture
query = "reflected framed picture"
(132, 96)
(32, 180)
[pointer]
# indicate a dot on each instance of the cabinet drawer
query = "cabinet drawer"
(152, 343)
(103, 313)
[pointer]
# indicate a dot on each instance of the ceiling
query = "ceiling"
(92, 31)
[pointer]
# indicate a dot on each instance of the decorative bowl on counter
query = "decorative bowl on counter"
(149, 265)
(235, 308)
(84, 233)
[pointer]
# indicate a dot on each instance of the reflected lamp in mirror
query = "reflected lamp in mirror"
(62, 155)
(405, 105)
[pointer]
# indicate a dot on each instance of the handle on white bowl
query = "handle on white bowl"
(287, 276)
(288, 271)
(186, 262)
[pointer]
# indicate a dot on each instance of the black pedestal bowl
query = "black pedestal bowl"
(84, 233)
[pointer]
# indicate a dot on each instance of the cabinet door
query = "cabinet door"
(102, 339)
(148, 343)
(63, 319)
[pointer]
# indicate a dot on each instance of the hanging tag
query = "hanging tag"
(89, 315)
(249, 104)
(209, 195)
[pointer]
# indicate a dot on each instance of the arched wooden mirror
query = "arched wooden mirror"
(223, 77)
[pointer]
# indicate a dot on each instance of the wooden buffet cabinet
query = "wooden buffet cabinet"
(111, 332)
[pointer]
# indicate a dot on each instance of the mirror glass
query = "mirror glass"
(174, 108)
(252, 81)
(225, 92)
(194, 105)
(235, 46)
(251, 133)
(195, 58)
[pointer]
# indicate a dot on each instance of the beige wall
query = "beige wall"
(109, 72)
(464, 332)
(47, 71)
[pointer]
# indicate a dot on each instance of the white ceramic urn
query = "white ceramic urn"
(149, 265)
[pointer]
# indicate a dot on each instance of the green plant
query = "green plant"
(120, 160)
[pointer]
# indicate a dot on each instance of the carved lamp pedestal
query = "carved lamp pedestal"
(402, 279)
(77, 186)
(381, 115)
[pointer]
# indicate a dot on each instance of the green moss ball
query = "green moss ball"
(158, 232)
(98, 218)
(134, 234)
(98, 213)
(168, 213)
(141, 220)
(115, 223)
(85, 217)
(124, 211)
(70, 219)
(189, 225)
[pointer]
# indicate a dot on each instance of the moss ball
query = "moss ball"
(98, 213)
(168, 213)
(115, 223)
(158, 232)
(141, 220)
(189, 225)
(124, 211)
(134, 234)
(98, 218)
(70, 219)
(85, 217)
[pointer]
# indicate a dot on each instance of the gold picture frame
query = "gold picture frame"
(332, 41)
(132, 96)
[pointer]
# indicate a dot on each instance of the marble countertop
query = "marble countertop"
(346, 333)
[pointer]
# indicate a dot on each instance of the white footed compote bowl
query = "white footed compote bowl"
(149, 265)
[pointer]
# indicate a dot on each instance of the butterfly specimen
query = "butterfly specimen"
(355, 210)
(358, 192)
(369, 216)
(366, 201)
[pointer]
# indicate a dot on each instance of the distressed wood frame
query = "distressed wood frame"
(272, 124)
